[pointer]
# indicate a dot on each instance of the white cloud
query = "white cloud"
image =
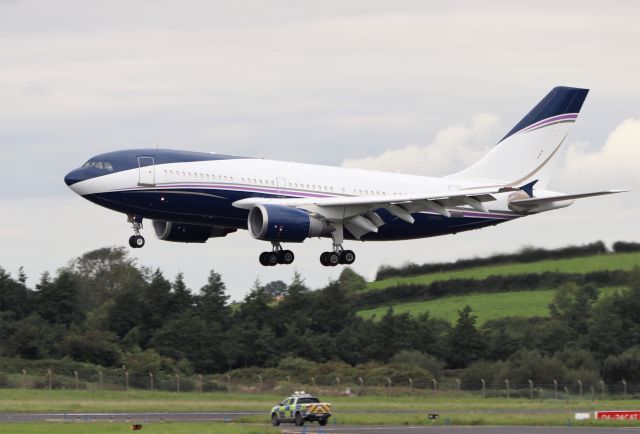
(616, 164)
(452, 148)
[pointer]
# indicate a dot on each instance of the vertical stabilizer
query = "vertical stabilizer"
(526, 152)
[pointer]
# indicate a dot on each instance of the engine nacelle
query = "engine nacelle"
(281, 223)
(187, 233)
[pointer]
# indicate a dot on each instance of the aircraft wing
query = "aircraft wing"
(562, 197)
(357, 213)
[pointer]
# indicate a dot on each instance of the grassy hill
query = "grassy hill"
(611, 261)
(485, 306)
(497, 305)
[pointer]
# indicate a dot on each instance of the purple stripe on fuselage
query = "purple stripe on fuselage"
(234, 188)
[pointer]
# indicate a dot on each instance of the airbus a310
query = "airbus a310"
(193, 196)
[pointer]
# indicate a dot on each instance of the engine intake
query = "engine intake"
(187, 233)
(281, 223)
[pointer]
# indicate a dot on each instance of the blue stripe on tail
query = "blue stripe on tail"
(561, 100)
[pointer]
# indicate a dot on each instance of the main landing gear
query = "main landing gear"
(136, 241)
(277, 256)
(338, 256)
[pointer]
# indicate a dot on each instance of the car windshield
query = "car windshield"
(308, 400)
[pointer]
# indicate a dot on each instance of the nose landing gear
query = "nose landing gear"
(277, 256)
(136, 241)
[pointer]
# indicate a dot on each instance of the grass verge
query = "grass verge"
(69, 401)
(154, 428)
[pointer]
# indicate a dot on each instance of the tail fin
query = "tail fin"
(526, 152)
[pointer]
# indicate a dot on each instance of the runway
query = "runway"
(454, 430)
(309, 428)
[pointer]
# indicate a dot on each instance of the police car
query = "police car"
(299, 408)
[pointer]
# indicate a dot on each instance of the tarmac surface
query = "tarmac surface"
(313, 428)
(454, 430)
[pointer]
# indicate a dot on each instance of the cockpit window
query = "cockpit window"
(104, 165)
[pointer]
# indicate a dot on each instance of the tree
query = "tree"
(157, 303)
(189, 337)
(625, 366)
(573, 305)
(93, 346)
(126, 312)
(14, 295)
(213, 301)
(465, 343)
(102, 273)
(182, 298)
(350, 281)
(276, 288)
(57, 301)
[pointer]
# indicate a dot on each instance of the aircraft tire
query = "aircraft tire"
(347, 257)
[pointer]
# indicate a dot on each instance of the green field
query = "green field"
(456, 408)
(485, 306)
(612, 261)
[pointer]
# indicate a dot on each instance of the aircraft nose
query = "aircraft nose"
(73, 177)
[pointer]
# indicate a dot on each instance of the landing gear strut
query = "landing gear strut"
(338, 255)
(277, 256)
(136, 241)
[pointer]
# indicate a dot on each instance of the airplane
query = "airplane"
(193, 196)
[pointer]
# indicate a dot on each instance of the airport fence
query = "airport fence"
(331, 385)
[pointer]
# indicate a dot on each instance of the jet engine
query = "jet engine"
(188, 233)
(281, 223)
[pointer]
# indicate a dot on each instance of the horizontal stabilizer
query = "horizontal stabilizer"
(540, 200)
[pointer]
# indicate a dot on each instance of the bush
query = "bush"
(93, 347)
(527, 254)
(625, 366)
(416, 358)
(494, 373)
(625, 247)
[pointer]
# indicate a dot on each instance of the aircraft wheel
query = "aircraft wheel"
(347, 257)
(285, 257)
(333, 259)
(271, 258)
(136, 241)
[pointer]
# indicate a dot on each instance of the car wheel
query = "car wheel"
(299, 420)
(322, 421)
(274, 420)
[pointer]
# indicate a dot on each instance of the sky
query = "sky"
(403, 86)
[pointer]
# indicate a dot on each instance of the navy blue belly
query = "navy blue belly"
(214, 207)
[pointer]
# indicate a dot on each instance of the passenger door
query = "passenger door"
(146, 171)
(281, 185)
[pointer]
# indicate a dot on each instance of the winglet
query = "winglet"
(528, 188)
